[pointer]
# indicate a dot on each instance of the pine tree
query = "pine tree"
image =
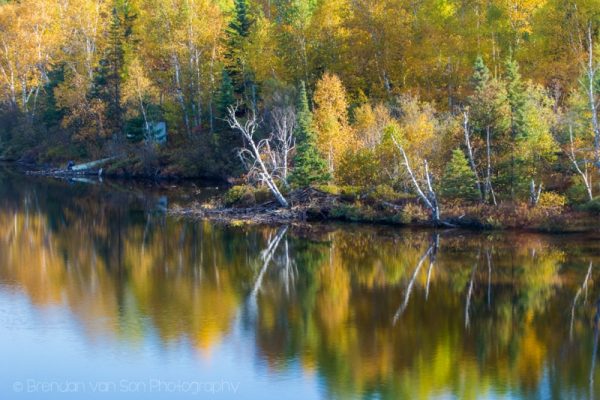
(225, 139)
(309, 166)
(237, 36)
(459, 180)
(109, 75)
(226, 94)
(481, 75)
(516, 99)
(241, 23)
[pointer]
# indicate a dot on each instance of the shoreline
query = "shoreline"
(317, 206)
(381, 214)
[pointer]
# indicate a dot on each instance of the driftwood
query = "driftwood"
(85, 169)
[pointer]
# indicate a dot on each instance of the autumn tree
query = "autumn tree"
(334, 134)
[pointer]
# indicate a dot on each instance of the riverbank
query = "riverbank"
(316, 205)
(247, 205)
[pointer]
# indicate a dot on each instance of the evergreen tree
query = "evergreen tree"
(226, 94)
(225, 139)
(309, 166)
(459, 180)
(109, 75)
(516, 99)
(481, 75)
(237, 36)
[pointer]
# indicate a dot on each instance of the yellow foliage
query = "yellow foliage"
(334, 135)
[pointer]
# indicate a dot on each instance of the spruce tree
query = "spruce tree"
(226, 94)
(109, 75)
(309, 166)
(237, 35)
(226, 140)
(517, 103)
(516, 98)
(481, 75)
(459, 180)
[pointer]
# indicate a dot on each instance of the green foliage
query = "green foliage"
(239, 195)
(109, 75)
(592, 206)
(515, 93)
(309, 166)
(481, 75)
(459, 180)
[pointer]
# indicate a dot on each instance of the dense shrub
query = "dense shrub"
(239, 195)
(592, 206)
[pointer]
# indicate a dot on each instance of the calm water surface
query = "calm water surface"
(102, 296)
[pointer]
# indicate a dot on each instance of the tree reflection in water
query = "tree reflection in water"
(320, 297)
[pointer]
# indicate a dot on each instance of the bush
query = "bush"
(349, 193)
(551, 202)
(414, 213)
(385, 193)
(239, 195)
(577, 194)
(359, 168)
(592, 206)
(333, 190)
(263, 195)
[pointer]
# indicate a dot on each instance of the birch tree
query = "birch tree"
(591, 70)
(254, 154)
(423, 188)
(584, 173)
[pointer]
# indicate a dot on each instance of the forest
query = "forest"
(454, 102)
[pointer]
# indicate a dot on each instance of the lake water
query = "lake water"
(103, 296)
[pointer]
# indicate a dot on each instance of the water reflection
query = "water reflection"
(371, 311)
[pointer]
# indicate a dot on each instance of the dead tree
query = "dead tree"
(429, 197)
(252, 157)
(586, 177)
(489, 189)
(283, 124)
(591, 70)
(470, 155)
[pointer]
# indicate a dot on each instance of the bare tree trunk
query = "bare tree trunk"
(144, 114)
(179, 94)
(470, 154)
(247, 130)
(591, 75)
(489, 189)
(535, 192)
(585, 175)
(430, 199)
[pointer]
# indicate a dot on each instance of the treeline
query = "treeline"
(484, 101)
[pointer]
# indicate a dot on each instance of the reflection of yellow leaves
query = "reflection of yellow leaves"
(531, 358)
